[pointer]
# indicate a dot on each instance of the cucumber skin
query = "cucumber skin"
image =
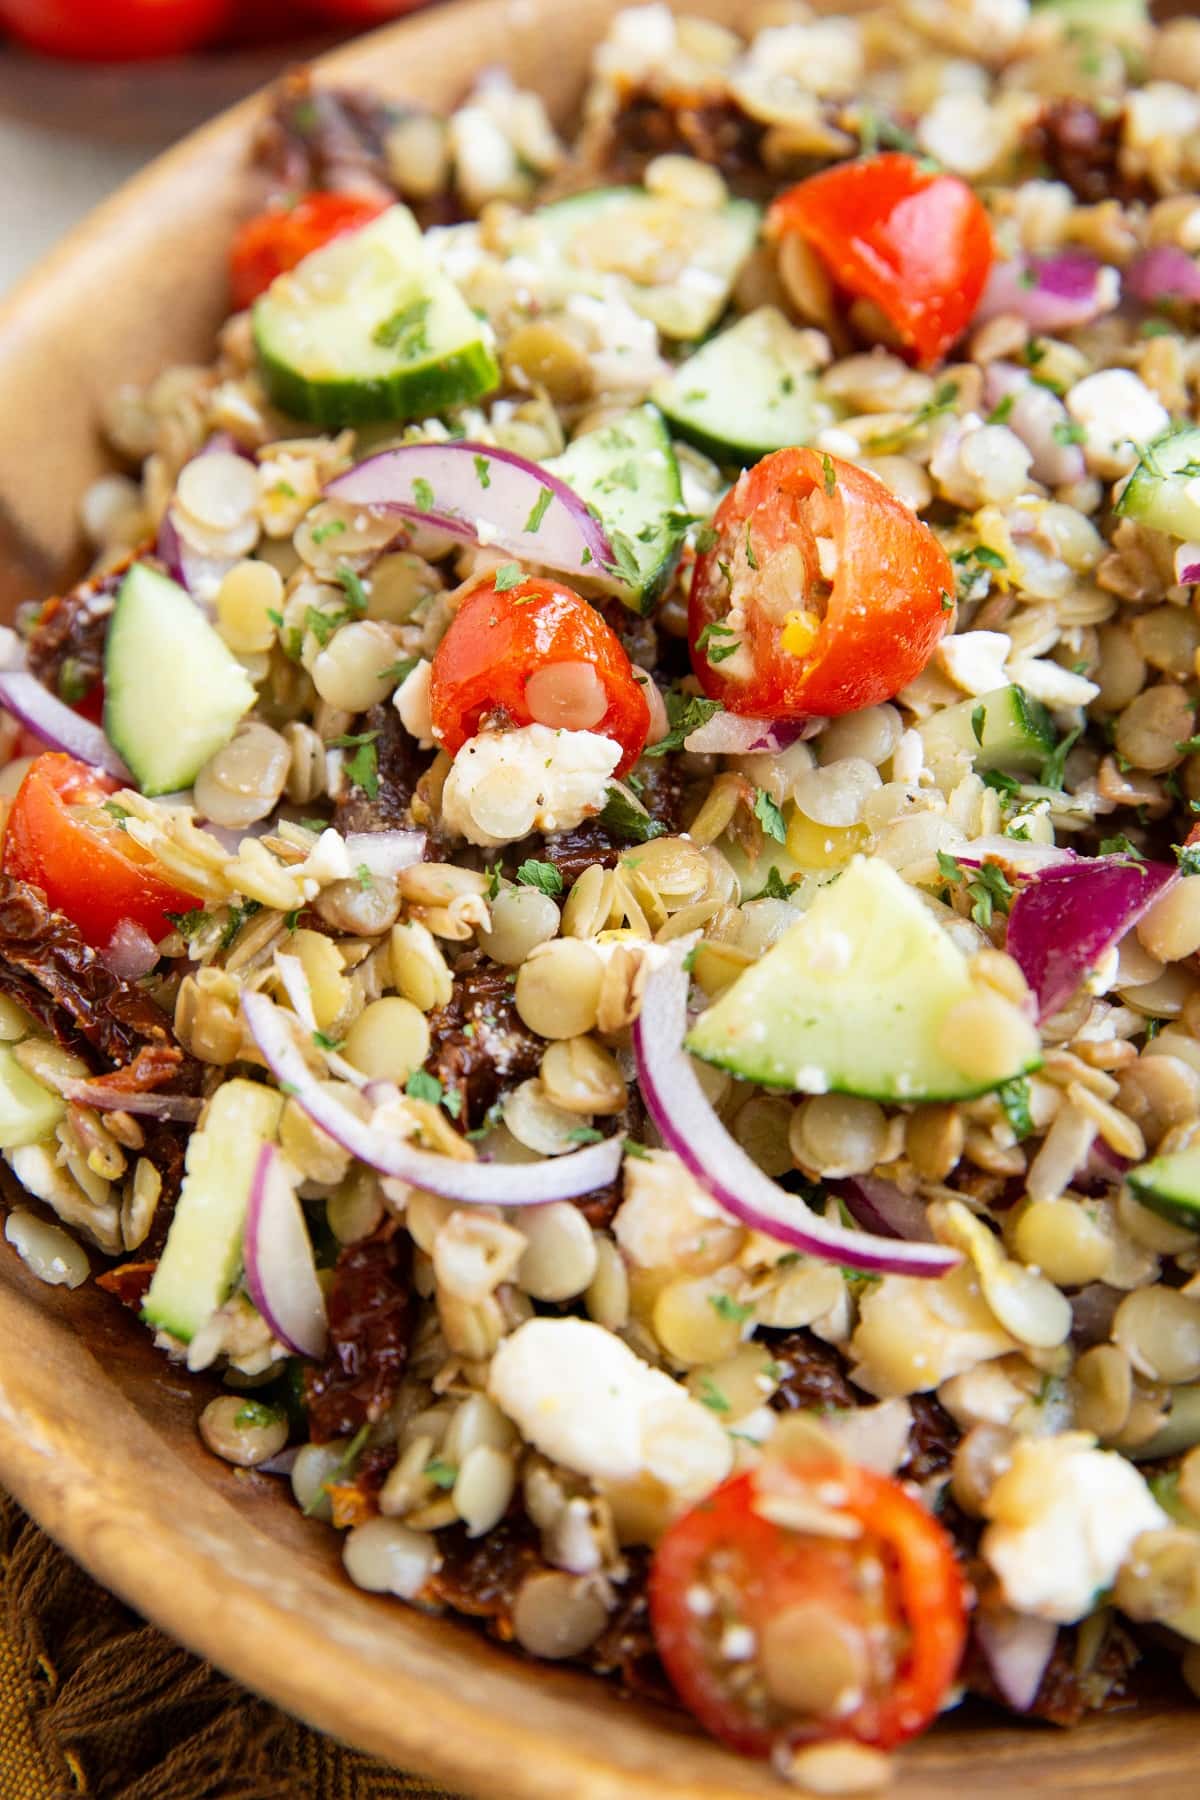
(1174, 1211)
(464, 376)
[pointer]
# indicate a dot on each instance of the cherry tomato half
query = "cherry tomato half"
(856, 1636)
(113, 30)
(917, 243)
(362, 12)
(59, 838)
(823, 593)
(276, 240)
(535, 653)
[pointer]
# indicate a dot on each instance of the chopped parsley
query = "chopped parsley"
(1121, 846)
(364, 877)
(423, 494)
(776, 887)
(538, 510)
(726, 1307)
(331, 528)
(322, 625)
(1054, 769)
(1188, 858)
(751, 559)
(1000, 412)
(493, 886)
(352, 587)
(324, 1042)
(442, 1474)
(706, 539)
(540, 875)
(363, 767)
(711, 1396)
(621, 815)
(237, 918)
(399, 672)
(978, 721)
(717, 653)
(769, 816)
(584, 1134)
(508, 575)
(685, 713)
(253, 1415)
(405, 331)
(633, 1148)
(119, 813)
(483, 471)
(1068, 431)
(73, 680)
(829, 472)
(190, 924)
(421, 1085)
(988, 887)
(1014, 1098)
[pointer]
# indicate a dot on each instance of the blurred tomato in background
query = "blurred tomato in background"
(139, 30)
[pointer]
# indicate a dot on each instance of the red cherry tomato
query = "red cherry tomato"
(823, 593)
(917, 243)
(276, 240)
(535, 653)
(362, 12)
(114, 30)
(59, 837)
(856, 1636)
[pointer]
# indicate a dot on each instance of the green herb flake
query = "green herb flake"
(712, 1397)
(685, 713)
(255, 1415)
(584, 1134)
(364, 877)
(1000, 412)
(422, 494)
(507, 576)
(1014, 1098)
(190, 924)
(324, 1042)
(947, 601)
(331, 528)
(631, 1147)
(493, 887)
(828, 471)
(119, 813)
(1054, 769)
(1188, 858)
(538, 510)
(628, 820)
(540, 875)
(1000, 782)
(751, 559)
(776, 887)
(726, 1307)
(978, 720)
(399, 672)
(352, 587)
(238, 916)
(769, 816)
(1068, 431)
(74, 680)
(442, 1474)
(483, 471)
(421, 1085)
(706, 540)
(1121, 846)
(405, 331)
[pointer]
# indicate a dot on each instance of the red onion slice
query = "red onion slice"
(690, 1127)
(881, 1207)
(280, 1271)
(1050, 293)
(106, 1098)
(1164, 273)
(57, 724)
(385, 852)
(523, 509)
(1017, 1648)
(1062, 923)
(474, 1183)
(131, 952)
(732, 734)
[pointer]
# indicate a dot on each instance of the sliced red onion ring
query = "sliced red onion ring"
(1051, 293)
(1164, 273)
(131, 952)
(690, 1127)
(732, 734)
(523, 509)
(280, 1271)
(882, 1207)
(57, 724)
(1017, 1648)
(1187, 564)
(474, 1183)
(1062, 923)
(105, 1098)
(1035, 415)
(385, 852)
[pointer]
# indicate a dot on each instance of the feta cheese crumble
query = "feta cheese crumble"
(505, 784)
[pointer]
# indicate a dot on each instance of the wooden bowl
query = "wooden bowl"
(97, 1432)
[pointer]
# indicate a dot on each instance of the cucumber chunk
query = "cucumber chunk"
(676, 265)
(853, 999)
(748, 391)
(368, 328)
(28, 1111)
(1006, 729)
(203, 1254)
(1170, 1186)
(627, 473)
(173, 693)
(1164, 489)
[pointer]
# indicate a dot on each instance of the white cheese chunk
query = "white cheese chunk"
(583, 1398)
(1117, 411)
(505, 784)
(1063, 1518)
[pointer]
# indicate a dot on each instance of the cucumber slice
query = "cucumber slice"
(367, 328)
(173, 693)
(676, 265)
(853, 999)
(1006, 729)
(627, 473)
(28, 1111)
(1164, 489)
(1170, 1186)
(748, 391)
(203, 1253)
